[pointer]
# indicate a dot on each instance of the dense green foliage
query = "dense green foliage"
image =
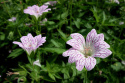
(65, 18)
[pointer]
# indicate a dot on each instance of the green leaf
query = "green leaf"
(23, 73)
(2, 36)
(47, 78)
(50, 22)
(77, 23)
(88, 25)
(54, 50)
(52, 76)
(16, 53)
(55, 43)
(19, 79)
(98, 60)
(64, 15)
(104, 17)
(94, 11)
(117, 66)
(74, 70)
(63, 35)
(47, 66)
(58, 76)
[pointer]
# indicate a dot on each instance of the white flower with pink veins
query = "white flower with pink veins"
(37, 62)
(36, 10)
(30, 43)
(83, 53)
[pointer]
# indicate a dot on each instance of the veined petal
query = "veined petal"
(34, 43)
(76, 56)
(73, 54)
(38, 37)
(91, 35)
(99, 37)
(30, 36)
(43, 40)
(80, 64)
(40, 40)
(101, 45)
(43, 8)
(18, 43)
(69, 52)
(90, 63)
(103, 53)
(79, 38)
(75, 44)
(29, 50)
(26, 41)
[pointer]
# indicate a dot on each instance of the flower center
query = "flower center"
(87, 51)
(30, 45)
(37, 11)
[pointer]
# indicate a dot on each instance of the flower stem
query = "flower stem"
(85, 78)
(29, 59)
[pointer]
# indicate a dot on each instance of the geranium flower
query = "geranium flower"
(36, 10)
(30, 43)
(115, 1)
(52, 3)
(12, 19)
(121, 23)
(37, 63)
(83, 53)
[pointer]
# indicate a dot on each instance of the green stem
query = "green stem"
(19, 32)
(85, 78)
(29, 59)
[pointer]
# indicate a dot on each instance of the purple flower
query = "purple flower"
(116, 1)
(121, 23)
(30, 43)
(83, 53)
(12, 19)
(37, 63)
(52, 3)
(36, 10)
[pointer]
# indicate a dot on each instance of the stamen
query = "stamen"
(88, 51)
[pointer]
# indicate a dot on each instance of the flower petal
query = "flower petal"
(18, 43)
(74, 55)
(69, 52)
(37, 63)
(28, 50)
(75, 44)
(79, 38)
(40, 40)
(103, 53)
(25, 42)
(43, 8)
(90, 63)
(99, 37)
(101, 45)
(80, 64)
(91, 35)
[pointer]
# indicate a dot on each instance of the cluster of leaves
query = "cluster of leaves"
(66, 17)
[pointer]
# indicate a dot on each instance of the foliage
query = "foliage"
(66, 17)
